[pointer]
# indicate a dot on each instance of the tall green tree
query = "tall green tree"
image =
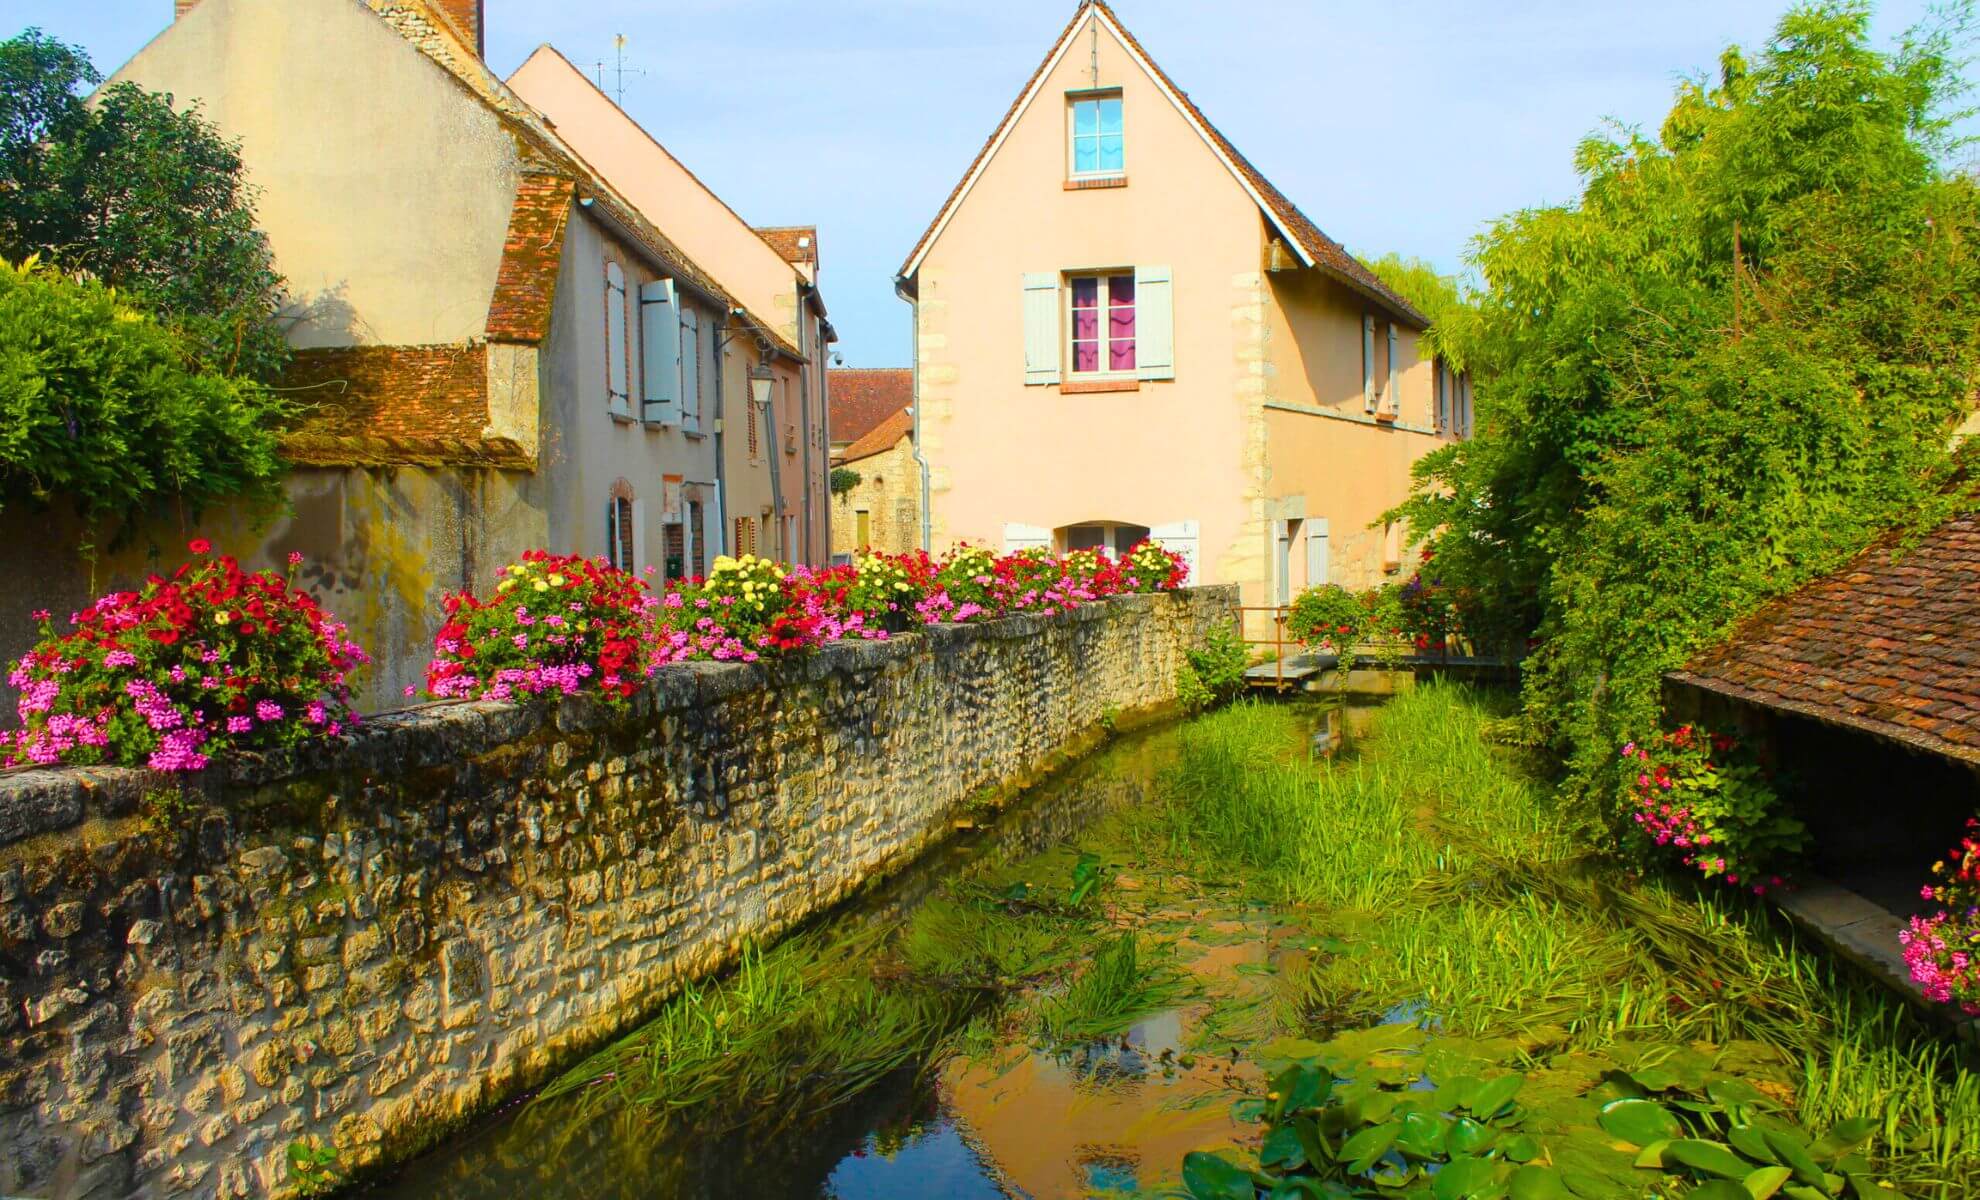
(147, 198)
(1723, 370)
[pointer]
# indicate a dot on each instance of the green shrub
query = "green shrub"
(1720, 371)
(97, 403)
(1213, 672)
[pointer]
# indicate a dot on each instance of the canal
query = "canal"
(1090, 983)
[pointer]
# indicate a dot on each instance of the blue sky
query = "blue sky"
(1394, 128)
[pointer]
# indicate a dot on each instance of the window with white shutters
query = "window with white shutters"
(618, 366)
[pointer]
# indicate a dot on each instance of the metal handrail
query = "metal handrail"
(1280, 614)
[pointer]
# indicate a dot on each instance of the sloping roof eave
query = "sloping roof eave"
(1315, 248)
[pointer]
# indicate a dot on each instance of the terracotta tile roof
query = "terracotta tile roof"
(373, 405)
(862, 397)
(1888, 646)
(1327, 254)
(881, 438)
(526, 285)
(784, 240)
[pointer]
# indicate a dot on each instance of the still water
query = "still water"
(1109, 1117)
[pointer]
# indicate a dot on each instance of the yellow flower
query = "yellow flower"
(584, 627)
(517, 569)
(542, 586)
(223, 616)
(505, 585)
(556, 581)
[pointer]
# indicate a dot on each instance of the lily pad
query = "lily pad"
(1712, 1158)
(1365, 1147)
(1533, 1182)
(1211, 1177)
(1495, 1095)
(1639, 1122)
(1717, 1189)
(1465, 1178)
(1764, 1182)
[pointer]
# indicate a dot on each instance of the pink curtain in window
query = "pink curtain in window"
(1086, 324)
(1120, 323)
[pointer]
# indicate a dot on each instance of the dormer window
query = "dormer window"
(1099, 148)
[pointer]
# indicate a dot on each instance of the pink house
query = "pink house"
(1122, 329)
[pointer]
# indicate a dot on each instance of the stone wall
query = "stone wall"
(372, 943)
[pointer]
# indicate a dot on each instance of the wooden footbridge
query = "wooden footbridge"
(1292, 667)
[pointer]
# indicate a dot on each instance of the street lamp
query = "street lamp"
(760, 379)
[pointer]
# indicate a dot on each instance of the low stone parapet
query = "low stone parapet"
(365, 945)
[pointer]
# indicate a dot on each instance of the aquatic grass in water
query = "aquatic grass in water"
(1120, 987)
(797, 1028)
(1445, 878)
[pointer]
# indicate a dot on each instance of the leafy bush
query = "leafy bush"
(554, 624)
(844, 479)
(97, 403)
(1694, 793)
(211, 661)
(1728, 364)
(149, 200)
(1329, 616)
(1213, 672)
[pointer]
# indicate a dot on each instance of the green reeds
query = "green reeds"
(1452, 885)
(1119, 987)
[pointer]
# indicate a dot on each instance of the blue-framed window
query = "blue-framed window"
(1099, 146)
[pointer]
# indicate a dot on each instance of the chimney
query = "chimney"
(181, 7)
(468, 16)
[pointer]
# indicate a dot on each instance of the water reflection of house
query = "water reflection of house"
(1123, 329)
(879, 505)
(1862, 689)
(501, 347)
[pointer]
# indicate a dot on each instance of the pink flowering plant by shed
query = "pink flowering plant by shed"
(1942, 949)
(1695, 795)
(209, 661)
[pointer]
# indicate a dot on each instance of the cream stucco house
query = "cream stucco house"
(501, 347)
(1123, 329)
(776, 462)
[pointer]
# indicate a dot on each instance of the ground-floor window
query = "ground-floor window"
(621, 528)
(1110, 536)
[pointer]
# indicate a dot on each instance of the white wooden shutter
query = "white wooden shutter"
(1041, 328)
(615, 339)
(1316, 551)
(660, 353)
(710, 532)
(1154, 323)
(1367, 362)
(690, 370)
(1181, 538)
(1394, 397)
(1026, 537)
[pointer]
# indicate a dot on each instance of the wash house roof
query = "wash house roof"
(1314, 247)
(1889, 644)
